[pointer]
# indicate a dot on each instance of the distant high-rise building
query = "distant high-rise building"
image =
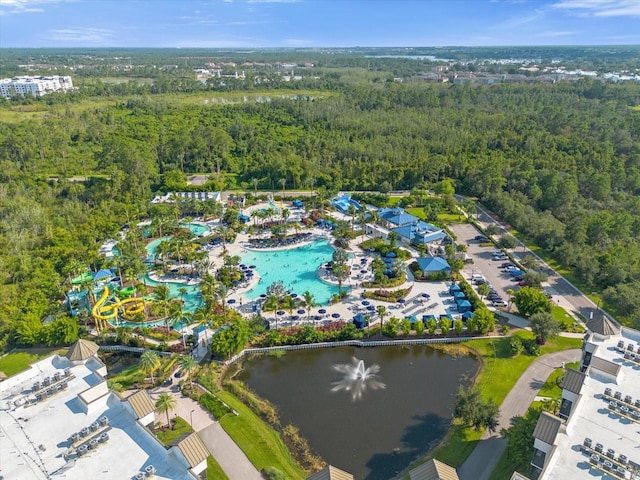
(36, 86)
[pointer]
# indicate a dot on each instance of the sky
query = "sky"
(316, 23)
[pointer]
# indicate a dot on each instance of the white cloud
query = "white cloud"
(600, 8)
(26, 6)
(79, 35)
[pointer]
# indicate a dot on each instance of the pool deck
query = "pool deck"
(438, 302)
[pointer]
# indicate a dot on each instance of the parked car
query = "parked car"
(500, 257)
(499, 303)
(507, 265)
(523, 283)
(482, 238)
(494, 296)
(497, 253)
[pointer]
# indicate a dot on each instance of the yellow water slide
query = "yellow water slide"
(130, 306)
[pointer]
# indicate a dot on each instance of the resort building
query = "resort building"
(172, 197)
(597, 431)
(433, 470)
(410, 229)
(331, 473)
(433, 265)
(36, 86)
(60, 419)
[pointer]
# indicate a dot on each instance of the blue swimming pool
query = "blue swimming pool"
(196, 228)
(296, 268)
(192, 297)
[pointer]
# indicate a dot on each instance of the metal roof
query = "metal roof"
(331, 473)
(81, 350)
(547, 428)
(433, 470)
(603, 325)
(573, 380)
(141, 403)
(605, 366)
(193, 449)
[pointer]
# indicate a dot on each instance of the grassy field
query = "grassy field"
(260, 443)
(180, 428)
(550, 387)
(19, 361)
(568, 322)
(497, 377)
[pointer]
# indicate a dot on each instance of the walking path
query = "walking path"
(490, 448)
(232, 460)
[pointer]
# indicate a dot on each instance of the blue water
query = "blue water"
(196, 228)
(152, 245)
(192, 298)
(296, 268)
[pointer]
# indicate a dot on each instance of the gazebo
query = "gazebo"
(82, 350)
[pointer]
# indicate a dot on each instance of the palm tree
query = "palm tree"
(382, 312)
(309, 302)
(165, 404)
(161, 296)
(178, 314)
(340, 256)
(188, 366)
(340, 272)
(149, 363)
(255, 182)
(283, 182)
(510, 292)
(483, 290)
(275, 301)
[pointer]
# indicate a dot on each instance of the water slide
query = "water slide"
(130, 306)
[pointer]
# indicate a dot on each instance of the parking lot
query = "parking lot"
(483, 262)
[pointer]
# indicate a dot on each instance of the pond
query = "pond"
(370, 424)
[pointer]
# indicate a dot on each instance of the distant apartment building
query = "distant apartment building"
(36, 86)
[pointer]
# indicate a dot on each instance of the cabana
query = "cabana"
(463, 306)
(411, 318)
(459, 296)
(444, 318)
(360, 321)
(454, 288)
(426, 318)
(297, 203)
(467, 315)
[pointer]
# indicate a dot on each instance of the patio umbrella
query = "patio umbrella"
(322, 311)
(231, 300)
(335, 315)
(371, 308)
(280, 312)
(294, 295)
(263, 295)
(252, 266)
(401, 300)
(301, 312)
(425, 295)
(366, 302)
(295, 317)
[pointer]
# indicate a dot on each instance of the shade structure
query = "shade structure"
(280, 312)
(425, 295)
(459, 296)
(335, 315)
(366, 302)
(359, 321)
(411, 318)
(322, 311)
(294, 295)
(301, 312)
(81, 350)
(231, 301)
(463, 306)
(104, 273)
(295, 317)
(467, 315)
(401, 300)
(371, 307)
(454, 288)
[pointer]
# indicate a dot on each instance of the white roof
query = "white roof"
(591, 419)
(34, 438)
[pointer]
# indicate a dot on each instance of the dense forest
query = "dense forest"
(560, 162)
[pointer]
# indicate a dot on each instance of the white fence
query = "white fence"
(353, 343)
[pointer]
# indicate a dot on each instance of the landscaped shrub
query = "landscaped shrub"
(272, 473)
(516, 346)
(214, 405)
(532, 347)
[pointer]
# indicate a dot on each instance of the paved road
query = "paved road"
(490, 448)
(558, 285)
(232, 460)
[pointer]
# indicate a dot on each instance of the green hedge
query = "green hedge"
(214, 405)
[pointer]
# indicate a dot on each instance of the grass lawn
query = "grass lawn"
(129, 376)
(505, 468)
(260, 443)
(567, 320)
(550, 387)
(180, 428)
(497, 377)
(19, 361)
(214, 470)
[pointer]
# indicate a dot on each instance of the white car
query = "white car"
(499, 303)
